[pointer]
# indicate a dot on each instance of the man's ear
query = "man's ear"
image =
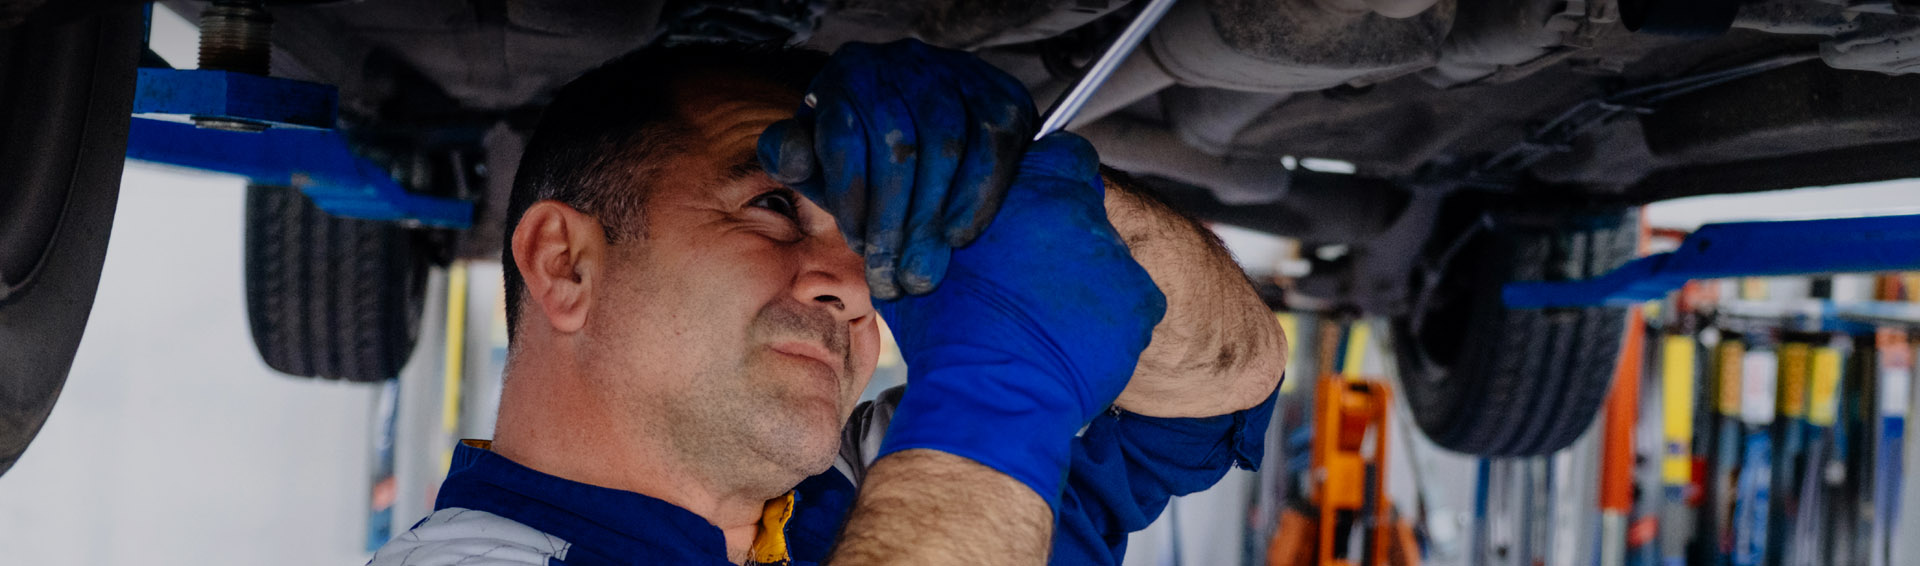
(559, 252)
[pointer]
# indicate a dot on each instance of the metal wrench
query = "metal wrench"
(1068, 105)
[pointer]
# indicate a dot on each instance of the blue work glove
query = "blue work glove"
(1036, 330)
(910, 147)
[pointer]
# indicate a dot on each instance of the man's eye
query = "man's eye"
(781, 202)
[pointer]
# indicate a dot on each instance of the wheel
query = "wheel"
(330, 297)
(66, 95)
(1483, 379)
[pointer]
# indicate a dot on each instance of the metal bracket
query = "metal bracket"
(1740, 249)
(274, 102)
(318, 162)
(296, 146)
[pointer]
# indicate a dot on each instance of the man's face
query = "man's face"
(741, 299)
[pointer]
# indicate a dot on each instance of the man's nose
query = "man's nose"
(831, 275)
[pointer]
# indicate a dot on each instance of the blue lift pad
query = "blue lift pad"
(300, 149)
(1740, 249)
(315, 161)
(281, 103)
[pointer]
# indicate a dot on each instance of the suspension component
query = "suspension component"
(234, 37)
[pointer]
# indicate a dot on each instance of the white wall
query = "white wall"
(1841, 201)
(173, 443)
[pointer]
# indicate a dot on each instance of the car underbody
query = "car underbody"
(1554, 102)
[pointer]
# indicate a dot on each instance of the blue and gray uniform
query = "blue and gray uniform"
(492, 511)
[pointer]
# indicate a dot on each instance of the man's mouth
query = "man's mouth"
(811, 352)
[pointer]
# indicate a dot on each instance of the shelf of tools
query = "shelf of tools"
(1755, 421)
(1781, 407)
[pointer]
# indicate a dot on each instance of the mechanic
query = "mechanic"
(691, 327)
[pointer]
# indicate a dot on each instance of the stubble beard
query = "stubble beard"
(755, 422)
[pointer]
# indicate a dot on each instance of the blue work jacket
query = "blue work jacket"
(492, 510)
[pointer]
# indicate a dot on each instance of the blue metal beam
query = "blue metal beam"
(318, 162)
(298, 149)
(1741, 249)
(277, 102)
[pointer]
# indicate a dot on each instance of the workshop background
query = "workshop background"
(1768, 419)
(174, 444)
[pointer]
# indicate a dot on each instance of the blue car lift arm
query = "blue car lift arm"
(298, 147)
(1740, 249)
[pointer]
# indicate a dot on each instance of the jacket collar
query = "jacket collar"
(602, 525)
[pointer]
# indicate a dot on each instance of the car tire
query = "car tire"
(330, 297)
(1491, 381)
(66, 95)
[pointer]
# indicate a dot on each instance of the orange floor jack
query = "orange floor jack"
(1345, 487)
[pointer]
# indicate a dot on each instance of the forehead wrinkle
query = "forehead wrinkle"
(746, 163)
(732, 116)
(727, 113)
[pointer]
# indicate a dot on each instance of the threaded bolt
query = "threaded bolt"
(234, 36)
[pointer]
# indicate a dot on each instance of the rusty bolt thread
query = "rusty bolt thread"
(234, 37)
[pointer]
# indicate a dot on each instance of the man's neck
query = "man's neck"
(556, 424)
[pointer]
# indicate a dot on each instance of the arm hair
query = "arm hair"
(930, 507)
(1219, 349)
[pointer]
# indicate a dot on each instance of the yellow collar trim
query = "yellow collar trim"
(770, 543)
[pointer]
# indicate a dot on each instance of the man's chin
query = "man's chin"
(822, 437)
(804, 416)
(807, 436)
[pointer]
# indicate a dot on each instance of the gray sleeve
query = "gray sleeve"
(860, 441)
(467, 537)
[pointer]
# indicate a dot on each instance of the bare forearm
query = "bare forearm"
(930, 507)
(1219, 349)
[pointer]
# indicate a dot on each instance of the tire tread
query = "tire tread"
(1528, 382)
(329, 297)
